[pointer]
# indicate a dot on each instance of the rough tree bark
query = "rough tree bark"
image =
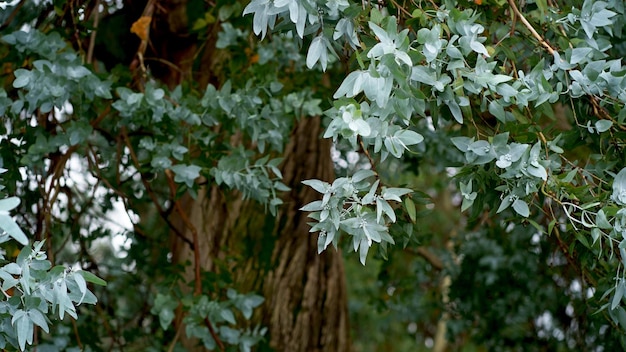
(305, 308)
(306, 304)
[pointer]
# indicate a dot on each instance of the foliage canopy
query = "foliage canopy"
(479, 149)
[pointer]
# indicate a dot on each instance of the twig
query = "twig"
(80, 344)
(164, 214)
(194, 232)
(530, 27)
(57, 166)
(196, 247)
(176, 337)
(103, 114)
(213, 334)
(434, 5)
(194, 244)
(76, 31)
(12, 15)
(92, 39)
(429, 256)
(601, 112)
(569, 257)
(164, 62)
(105, 323)
(98, 175)
(400, 8)
(367, 154)
(440, 341)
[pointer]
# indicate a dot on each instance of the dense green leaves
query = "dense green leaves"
(344, 208)
(39, 290)
(512, 112)
(452, 66)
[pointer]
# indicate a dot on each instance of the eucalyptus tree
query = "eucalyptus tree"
(488, 171)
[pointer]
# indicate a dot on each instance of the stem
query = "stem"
(214, 335)
(194, 232)
(12, 15)
(77, 335)
(530, 27)
(176, 337)
(367, 154)
(92, 38)
(164, 214)
(430, 257)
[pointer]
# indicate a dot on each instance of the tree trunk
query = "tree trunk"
(305, 306)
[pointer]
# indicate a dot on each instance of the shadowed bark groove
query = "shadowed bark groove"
(306, 304)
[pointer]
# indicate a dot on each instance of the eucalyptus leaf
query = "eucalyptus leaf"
(603, 125)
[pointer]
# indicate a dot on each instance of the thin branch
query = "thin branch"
(601, 112)
(440, 341)
(56, 169)
(434, 5)
(194, 245)
(530, 27)
(164, 214)
(75, 26)
(97, 174)
(213, 334)
(430, 257)
(54, 173)
(77, 335)
(176, 337)
(401, 9)
(570, 259)
(104, 318)
(194, 232)
(367, 154)
(92, 39)
(164, 62)
(103, 114)
(12, 15)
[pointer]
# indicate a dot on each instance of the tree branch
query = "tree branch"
(164, 214)
(176, 337)
(530, 27)
(92, 38)
(213, 334)
(12, 15)
(430, 257)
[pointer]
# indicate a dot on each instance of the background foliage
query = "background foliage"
(478, 148)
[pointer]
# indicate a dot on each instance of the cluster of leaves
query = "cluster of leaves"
(253, 109)
(253, 181)
(346, 207)
(156, 127)
(42, 291)
(33, 290)
(447, 69)
(220, 314)
(522, 167)
(438, 70)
